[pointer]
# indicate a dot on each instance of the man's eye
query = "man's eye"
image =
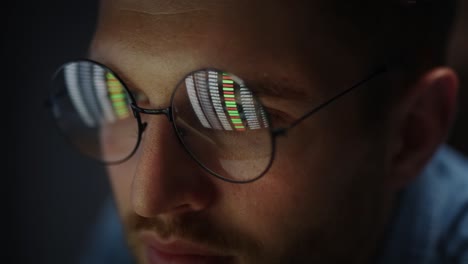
(278, 118)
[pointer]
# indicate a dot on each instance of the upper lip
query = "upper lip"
(177, 246)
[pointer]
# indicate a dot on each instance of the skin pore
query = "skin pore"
(330, 191)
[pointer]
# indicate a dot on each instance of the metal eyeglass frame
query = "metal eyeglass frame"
(275, 132)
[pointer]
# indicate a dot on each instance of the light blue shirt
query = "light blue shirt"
(430, 224)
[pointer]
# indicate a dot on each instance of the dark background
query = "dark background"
(52, 192)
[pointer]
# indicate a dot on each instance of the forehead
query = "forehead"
(293, 41)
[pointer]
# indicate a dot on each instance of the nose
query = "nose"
(167, 180)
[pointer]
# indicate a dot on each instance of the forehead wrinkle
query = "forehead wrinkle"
(166, 7)
(155, 29)
(162, 13)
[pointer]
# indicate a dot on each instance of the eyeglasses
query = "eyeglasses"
(217, 118)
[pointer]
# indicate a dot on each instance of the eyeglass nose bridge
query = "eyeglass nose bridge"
(163, 111)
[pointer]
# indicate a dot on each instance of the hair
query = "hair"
(410, 38)
(418, 34)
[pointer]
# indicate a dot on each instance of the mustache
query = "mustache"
(196, 229)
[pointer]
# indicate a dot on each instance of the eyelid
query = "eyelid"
(276, 89)
(141, 99)
(278, 118)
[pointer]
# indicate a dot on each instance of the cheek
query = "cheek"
(284, 207)
(312, 192)
(121, 178)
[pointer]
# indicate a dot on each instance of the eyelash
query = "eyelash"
(278, 118)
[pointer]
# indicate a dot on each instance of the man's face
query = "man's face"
(323, 200)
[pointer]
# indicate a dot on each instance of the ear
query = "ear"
(425, 115)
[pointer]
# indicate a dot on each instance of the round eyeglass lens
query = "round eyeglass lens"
(223, 125)
(92, 108)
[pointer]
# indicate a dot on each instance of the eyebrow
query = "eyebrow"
(260, 86)
(278, 89)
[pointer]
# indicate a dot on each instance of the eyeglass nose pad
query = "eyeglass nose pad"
(134, 110)
(144, 125)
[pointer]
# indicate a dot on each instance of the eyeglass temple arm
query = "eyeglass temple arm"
(282, 130)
